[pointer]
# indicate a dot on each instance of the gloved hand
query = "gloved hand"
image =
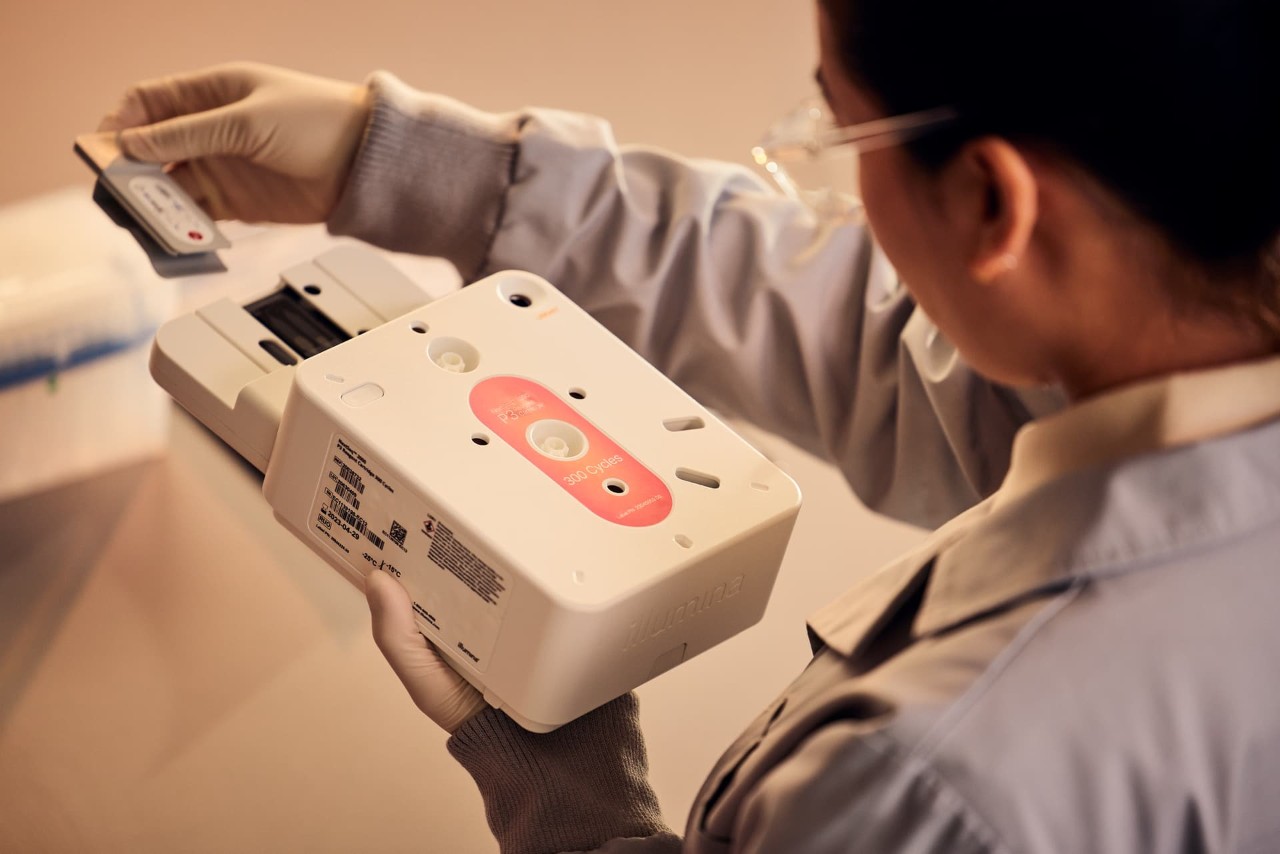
(438, 690)
(249, 141)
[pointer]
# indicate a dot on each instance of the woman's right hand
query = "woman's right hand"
(248, 141)
(434, 685)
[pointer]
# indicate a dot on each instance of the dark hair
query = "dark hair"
(1171, 104)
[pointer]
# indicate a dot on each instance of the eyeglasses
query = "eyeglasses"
(814, 161)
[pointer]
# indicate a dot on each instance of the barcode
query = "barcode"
(345, 472)
(375, 539)
(347, 493)
(348, 515)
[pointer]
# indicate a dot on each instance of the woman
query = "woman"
(1087, 200)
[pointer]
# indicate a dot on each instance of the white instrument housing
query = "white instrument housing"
(567, 521)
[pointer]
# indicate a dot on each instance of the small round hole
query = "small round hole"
(480, 439)
(577, 393)
(519, 289)
(312, 289)
(617, 487)
(419, 327)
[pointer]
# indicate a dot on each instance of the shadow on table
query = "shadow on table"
(49, 543)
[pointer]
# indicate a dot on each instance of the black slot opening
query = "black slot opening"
(280, 354)
(296, 322)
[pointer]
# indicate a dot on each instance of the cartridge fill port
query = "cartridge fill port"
(558, 440)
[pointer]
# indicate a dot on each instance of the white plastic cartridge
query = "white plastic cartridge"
(568, 522)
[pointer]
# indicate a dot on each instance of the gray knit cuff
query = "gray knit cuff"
(430, 176)
(571, 789)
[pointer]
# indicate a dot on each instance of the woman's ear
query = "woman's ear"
(1002, 188)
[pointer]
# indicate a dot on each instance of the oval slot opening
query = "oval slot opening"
(710, 481)
(679, 425)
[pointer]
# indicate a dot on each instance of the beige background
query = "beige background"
(176, 672)
(700, 76)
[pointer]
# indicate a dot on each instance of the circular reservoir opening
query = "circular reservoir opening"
(453, 355)
(557, 440)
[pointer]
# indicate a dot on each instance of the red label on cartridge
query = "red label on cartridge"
(572, 451)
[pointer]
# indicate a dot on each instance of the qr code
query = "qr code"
(397, 533)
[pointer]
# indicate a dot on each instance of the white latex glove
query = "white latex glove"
(435, 687)
(248, 141)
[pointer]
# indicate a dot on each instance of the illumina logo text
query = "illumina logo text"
(660, 620)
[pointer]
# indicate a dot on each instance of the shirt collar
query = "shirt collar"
(1060, 516)
(856, 616)
(1147, 416)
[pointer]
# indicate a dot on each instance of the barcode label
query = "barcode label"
(388, 527)
(344, 498)
(348, 474)
(348, 494)
(346, 514)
